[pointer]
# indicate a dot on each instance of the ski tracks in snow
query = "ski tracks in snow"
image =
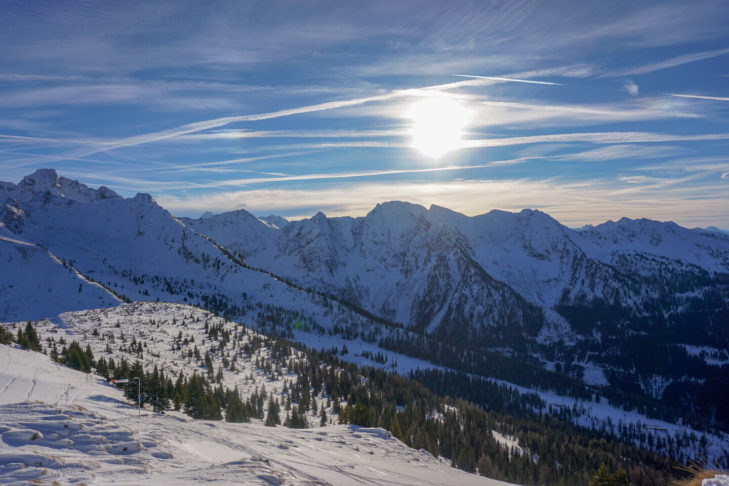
(32, 385)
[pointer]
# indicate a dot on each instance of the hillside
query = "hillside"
(196, 363)
(63, 425)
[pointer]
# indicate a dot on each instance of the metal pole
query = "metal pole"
(139, 395)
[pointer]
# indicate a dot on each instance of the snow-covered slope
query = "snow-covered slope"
(416, 266)
(136, 248)
(275, 221)
(36, 284)
(705, 249)
(427, 269)
(431, 283)
(397, 264)
(170, 332)
(236, 230)
(60, 426)
(47, 181)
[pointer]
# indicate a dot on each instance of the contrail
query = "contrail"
(511, 80)
(716, 98)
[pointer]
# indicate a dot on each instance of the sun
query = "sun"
(438, 125)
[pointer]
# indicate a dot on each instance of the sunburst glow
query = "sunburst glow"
(438, 125)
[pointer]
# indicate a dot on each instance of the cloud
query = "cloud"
(630, 87)
(574, 204)
(620, 151)
(508, 80)
(672, 62)
(595, 137)
(223, 121)
(715, 98)
(242, 134)
(362, 174)
(517, 113)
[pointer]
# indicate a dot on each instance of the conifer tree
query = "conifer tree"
(6, 337)
(273, 418)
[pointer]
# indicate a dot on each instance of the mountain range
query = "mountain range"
(634, 310)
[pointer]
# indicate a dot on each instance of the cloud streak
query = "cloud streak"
(223, 121)
(699, 97)
(673, 62)
(595, 137)
(508, 80)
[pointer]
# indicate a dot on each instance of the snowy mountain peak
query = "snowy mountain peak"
(439, 216)
(274, 221)
(237, 230)
(44, 181)
(663, 239)
(144, 197)
(239, 216)
(714, 229)
(319, 217)
(396, 209)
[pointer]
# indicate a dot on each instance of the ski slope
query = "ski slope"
(58, 424)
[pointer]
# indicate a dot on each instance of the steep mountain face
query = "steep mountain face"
(35, 284)
(134, 247)
(397, 264)
(47, 181)
(237, 230)
(274, 221)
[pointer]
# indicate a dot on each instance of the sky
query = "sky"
(589, 111)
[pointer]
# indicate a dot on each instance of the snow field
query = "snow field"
(85, 434)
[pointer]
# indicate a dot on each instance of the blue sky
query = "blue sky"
(295, 107)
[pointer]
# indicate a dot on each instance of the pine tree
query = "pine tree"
(74, 357)
(6, 337)
(29, 339)
(273, 418)
(395, 429)
(602, 477)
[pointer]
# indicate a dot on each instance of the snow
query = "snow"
(508, 442)
(62, 425)
(109, 332)
(600, 415)
(60, 241)
(274, 221)
(35, 284)
(47, 181)
(712, 356)
(718, 480)
(705, 249)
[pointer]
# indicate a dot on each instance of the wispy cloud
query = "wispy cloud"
(242, 134)
(596, 137)
(508, 80)
(672, 62)
(364, 174)
(615, 152)
(699, 97)
(223, 121)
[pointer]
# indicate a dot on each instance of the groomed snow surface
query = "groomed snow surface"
(58, 424)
